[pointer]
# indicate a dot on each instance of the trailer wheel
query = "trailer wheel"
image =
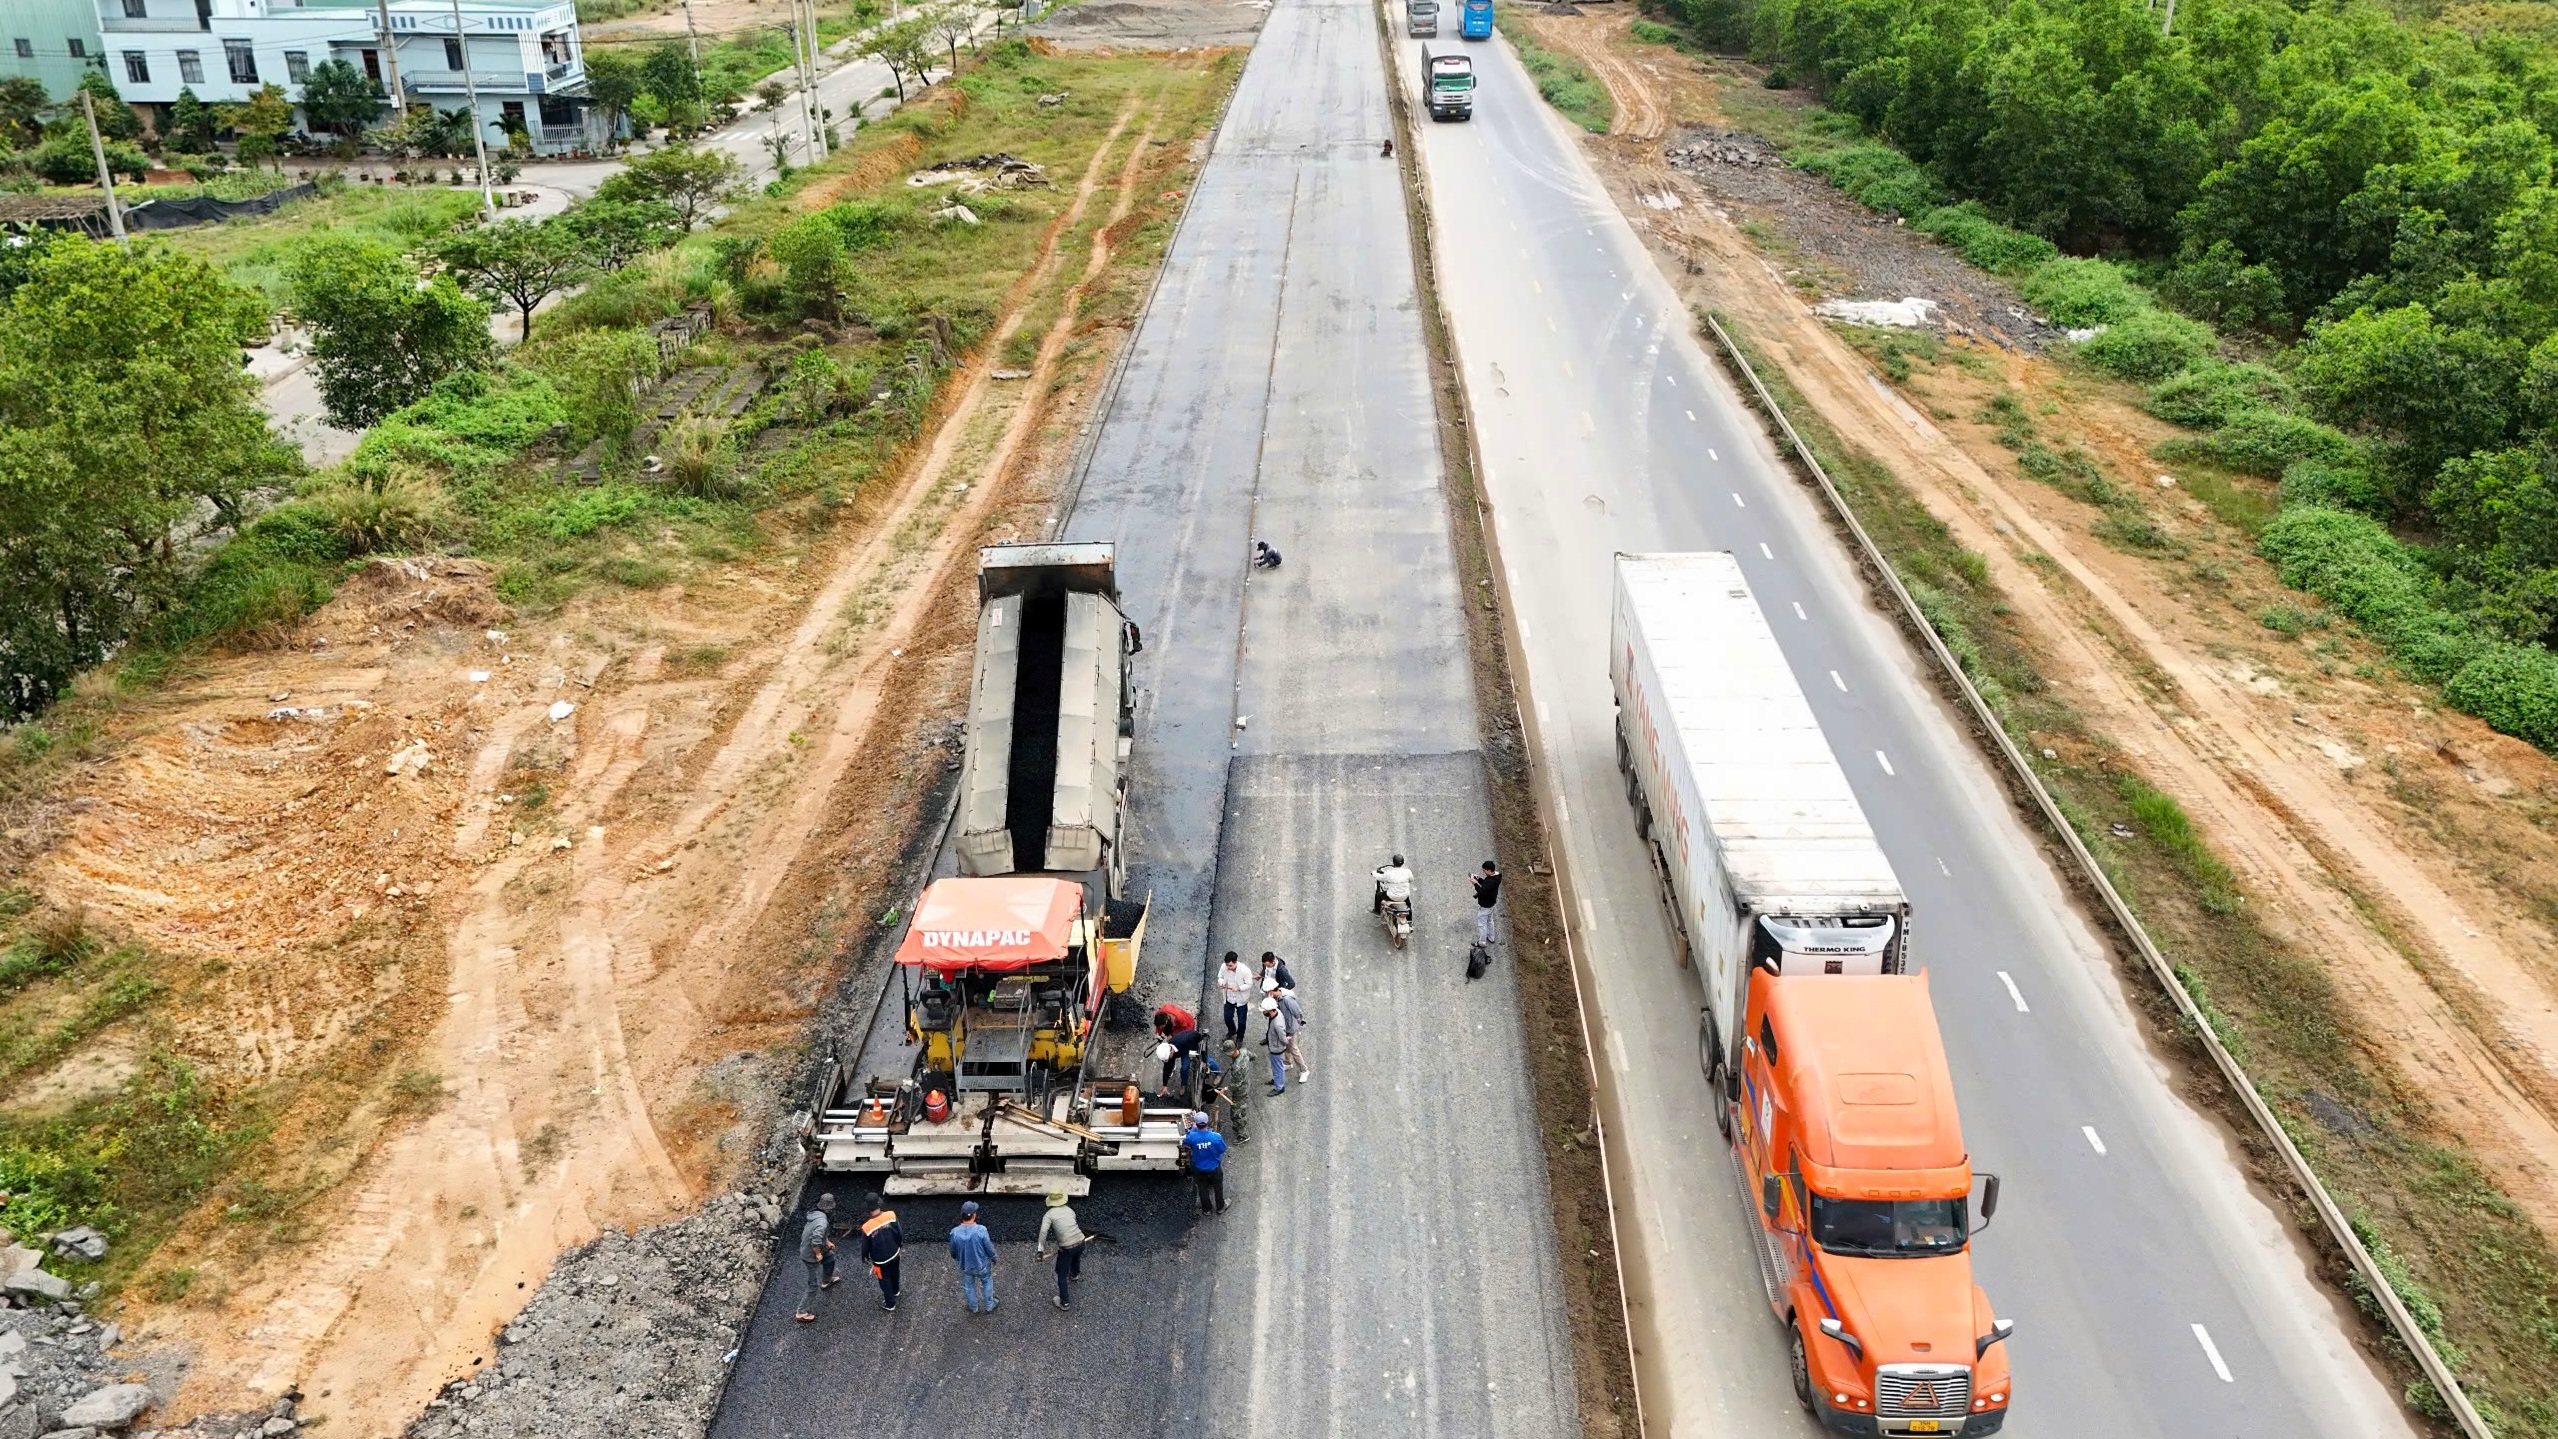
(1802, 1368)
(1642, 820)
(1625, 758)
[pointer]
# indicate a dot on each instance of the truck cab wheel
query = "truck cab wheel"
(1802, 1368)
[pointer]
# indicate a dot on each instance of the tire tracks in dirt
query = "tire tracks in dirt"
(1641, 112)
(547, 1132)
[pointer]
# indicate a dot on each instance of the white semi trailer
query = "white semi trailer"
(1763, 854)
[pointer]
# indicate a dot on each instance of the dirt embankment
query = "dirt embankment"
(522, 921)
(2407, 847)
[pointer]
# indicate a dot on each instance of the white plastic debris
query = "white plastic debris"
(479, 677)
(561, 709)
(1910, 313)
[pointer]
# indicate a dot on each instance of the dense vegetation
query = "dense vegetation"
(2369, 200)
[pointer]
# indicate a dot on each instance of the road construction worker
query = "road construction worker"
(1172, 1019)
(817, 1252)
(1393, 882)
(1058, 1226)
(974, 1251)
(882, 1238)
(1206, 1149)
(1188, 1046)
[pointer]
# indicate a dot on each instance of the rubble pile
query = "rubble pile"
(974, 174)
(1722, 147)
(631, 1334)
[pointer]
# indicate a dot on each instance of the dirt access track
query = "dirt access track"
(2407, 886)
(570, 887)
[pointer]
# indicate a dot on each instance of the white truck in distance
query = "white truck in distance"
(1763, 854)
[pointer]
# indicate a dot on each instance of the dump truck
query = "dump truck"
(1003, 980)
(1845, 1135)
(1762, 853)
(1044, 769)
(1451, 82)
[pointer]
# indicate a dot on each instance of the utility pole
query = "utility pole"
(2169, 28)
(816, 115)
(106, 177)
(391, 61)
(692, 37)
(479, 131)
(807, 89)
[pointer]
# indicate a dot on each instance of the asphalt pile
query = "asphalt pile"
(630, 1334)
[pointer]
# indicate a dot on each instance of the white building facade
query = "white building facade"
(525, 57)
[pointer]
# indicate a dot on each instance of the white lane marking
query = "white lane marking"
(2211, 1351)
(1691, 414)
(1514, 225)
(1941, 869)
(1886, 761)
(1589, 920)
(1541, 716)
(1764, 550)
(1798, 611)
(1834, 679)
(1562, 808)
(2012, 991)
(1738, 501)
(1549, 324)
(2090, 1131)
(1567, 371)
(1673, 379)
(1537, 285)
(1589, 424)
(1711, 455)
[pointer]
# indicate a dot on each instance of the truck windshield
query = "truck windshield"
(1889, 1228)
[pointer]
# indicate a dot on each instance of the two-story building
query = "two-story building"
(524, 56)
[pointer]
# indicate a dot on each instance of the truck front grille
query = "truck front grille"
(1922, 1391)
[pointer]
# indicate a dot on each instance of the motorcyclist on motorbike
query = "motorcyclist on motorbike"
(1393, 882)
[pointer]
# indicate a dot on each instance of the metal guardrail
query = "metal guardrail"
(2330, 1213)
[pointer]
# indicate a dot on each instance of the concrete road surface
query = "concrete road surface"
(2153, 1293)
(1386, 1264)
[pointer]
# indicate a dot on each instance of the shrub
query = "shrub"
(2266, 443)
(1652, 32)
(597, 375)
(872, 224)
(810, 250)
(2148, 345)
(2081, 293)
(2354, 564)
(2349, 486)
(2213, 393)
(2514, 688)
(1880, 177)
(1984, 241)
(699, 459)
(401, 513)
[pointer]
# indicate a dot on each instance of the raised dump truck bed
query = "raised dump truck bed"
(1043, 785)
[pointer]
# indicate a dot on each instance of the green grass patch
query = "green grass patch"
(1565, 82)
(253, 251)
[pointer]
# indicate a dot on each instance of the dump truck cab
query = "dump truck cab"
(1847, 1137)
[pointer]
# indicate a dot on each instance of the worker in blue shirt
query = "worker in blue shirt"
(974, 1249)
(1207, 1151)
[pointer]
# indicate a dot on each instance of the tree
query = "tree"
(668, 73)
(520, 262)
(615, 232)
(260, 121)
(66, 159)
(902, 46)
(192, 127)
(380, 338)
(23, 106)
(691, 181)
(338, 98)
(116, 120)
(613, 81)
(123, 411)
(951, 22)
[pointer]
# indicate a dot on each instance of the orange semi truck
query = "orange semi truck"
(1822, 1053)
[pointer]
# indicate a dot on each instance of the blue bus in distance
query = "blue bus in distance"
(1477, 23)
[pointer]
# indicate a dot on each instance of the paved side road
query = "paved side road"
(2153, 1293)
(1386, 1265)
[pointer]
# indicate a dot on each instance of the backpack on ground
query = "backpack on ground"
(1478, 959)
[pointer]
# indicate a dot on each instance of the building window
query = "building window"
(79, 49)
(297, 66)
(242, 60)
(136, 10)
(190, 67)
(26, 49)
(137, 67)
(452, 54)
(373, 66)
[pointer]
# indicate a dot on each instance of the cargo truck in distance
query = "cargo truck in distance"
(1005, 969)
(1451, 81)
(1421, 18)
(1822, 1054)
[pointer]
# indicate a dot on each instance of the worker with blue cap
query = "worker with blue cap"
(974, 1250)
(1206, 1150)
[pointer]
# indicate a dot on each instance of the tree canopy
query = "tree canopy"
(379, 337)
